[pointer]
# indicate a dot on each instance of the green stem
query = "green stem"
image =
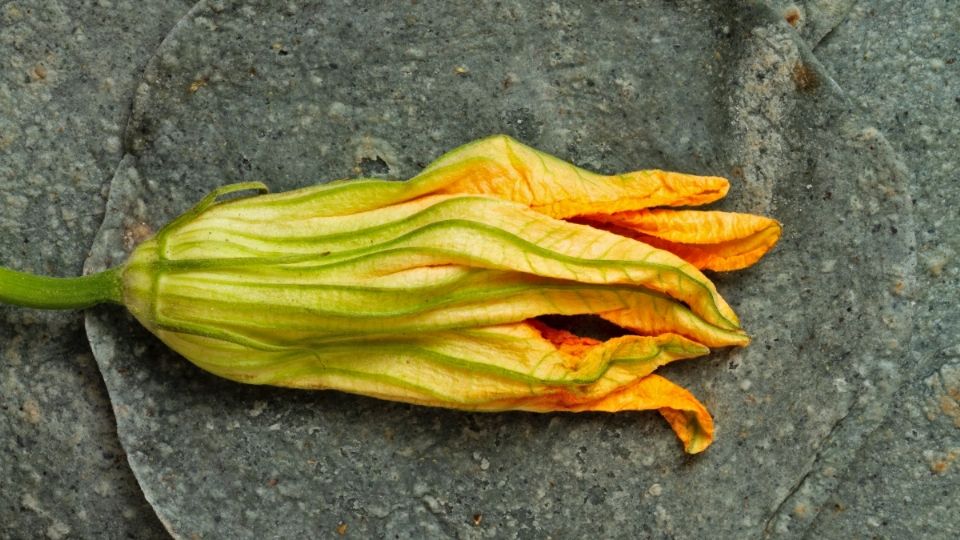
(41, 292)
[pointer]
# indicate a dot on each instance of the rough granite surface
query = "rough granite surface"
(841, 419)
(241, 91)
(69, 70)
(900, 63)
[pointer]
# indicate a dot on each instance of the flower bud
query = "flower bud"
(433, 291)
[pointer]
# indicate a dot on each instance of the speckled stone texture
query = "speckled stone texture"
(68, 74)
(294, 96)
(900, 62)
(831, 115)
(812, 19)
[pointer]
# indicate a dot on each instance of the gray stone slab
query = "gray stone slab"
(298, 95)
(904, 480)
(901, 61)
(67, 79)
(813, 19)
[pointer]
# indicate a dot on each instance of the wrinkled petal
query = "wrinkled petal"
(523, 366)
(264, 312)
(473, 231)
(688, 417)
(502, 167)
(503, 361)
(709, 240)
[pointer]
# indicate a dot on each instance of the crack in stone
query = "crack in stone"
(836, 24)
(819, 511)
(793, 491)
(125, 150)
(448, 528)
(778, 511)
(936, 372)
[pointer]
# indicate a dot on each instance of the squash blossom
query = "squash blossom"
(429, 291)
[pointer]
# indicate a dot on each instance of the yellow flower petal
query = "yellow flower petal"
(523, 366)
(262, 313)
(502, 167)
(473, 231)
(709, 240)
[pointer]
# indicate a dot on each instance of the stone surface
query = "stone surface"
(813, 19)
(67, 79)
(887, 468)
(294, 95)
(900, 62)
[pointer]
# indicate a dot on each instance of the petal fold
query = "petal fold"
(503, 167)
(524, 366)
(473, 231)
(709, 240)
